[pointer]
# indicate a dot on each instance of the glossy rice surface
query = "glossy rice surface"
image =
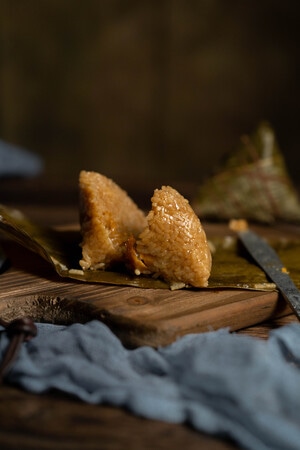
(174, 244)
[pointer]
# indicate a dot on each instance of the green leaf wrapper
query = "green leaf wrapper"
(252, 184)
(231, 266)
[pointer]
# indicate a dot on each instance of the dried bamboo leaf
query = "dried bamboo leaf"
(231, 267)
(61, 249)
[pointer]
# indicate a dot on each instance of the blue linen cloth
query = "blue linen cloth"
(16, 161)
(221, 383)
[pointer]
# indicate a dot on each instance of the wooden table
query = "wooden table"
(56, 421)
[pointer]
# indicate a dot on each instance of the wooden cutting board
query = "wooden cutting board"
(138, 316)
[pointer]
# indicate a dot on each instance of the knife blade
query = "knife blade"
(266, 257)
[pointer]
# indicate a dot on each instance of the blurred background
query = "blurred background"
(147, 92)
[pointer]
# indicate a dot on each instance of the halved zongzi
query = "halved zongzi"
(108, 217)
(174, 245)
(169, 244)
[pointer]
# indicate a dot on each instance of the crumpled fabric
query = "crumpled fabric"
(224, 384)
(16, 161)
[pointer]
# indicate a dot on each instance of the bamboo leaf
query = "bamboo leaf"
(231, 266)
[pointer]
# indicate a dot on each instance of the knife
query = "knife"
(266, 257)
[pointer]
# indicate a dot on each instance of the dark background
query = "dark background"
(150, 91)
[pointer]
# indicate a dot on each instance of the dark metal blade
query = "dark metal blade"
(268, 260)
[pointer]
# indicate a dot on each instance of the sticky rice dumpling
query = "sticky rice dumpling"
(174, 244)
(108, 216)
(253, 183)
(170, 243)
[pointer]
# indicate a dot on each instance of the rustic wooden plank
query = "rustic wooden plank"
(138, 316)
(30, 421)
(262, 330)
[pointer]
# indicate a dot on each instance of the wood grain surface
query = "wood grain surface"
(58, 422)
(55, 420)
(138, 316)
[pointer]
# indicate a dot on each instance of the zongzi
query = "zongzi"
(253, 183)
(170, 243)
(108, 217)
